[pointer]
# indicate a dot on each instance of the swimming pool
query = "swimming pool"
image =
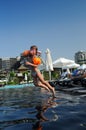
(17, 86)
(32, 108)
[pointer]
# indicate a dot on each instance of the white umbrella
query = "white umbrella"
(73, 65)
(25, 77)
(59, 63)
(48, 62)
(83, 66)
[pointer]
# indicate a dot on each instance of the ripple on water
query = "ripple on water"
(32, 108)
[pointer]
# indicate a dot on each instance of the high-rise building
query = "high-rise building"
(0, 63)
(80, 57)
(12, 62)
(7, 63)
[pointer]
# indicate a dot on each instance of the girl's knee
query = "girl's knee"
(39, 84)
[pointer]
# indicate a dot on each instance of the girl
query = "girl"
(37, 76)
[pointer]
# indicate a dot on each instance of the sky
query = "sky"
(59, 25)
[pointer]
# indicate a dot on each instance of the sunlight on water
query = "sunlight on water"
(32, 108)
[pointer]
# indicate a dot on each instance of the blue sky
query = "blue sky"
(59, 25)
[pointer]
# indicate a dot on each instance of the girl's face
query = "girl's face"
(33, 52)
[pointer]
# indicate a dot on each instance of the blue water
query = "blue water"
(16, 86)
(32, 108)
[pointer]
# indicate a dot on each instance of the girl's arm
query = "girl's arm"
(31, 64)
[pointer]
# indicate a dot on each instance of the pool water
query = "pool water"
(32, 108)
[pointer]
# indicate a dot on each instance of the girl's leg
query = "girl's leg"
(43, 86)
(37, 83)
(45, 82)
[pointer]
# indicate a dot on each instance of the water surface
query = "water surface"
(32, 108)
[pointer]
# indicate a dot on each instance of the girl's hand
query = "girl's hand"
(35, 65)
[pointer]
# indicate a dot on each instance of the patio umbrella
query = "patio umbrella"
(48, 62)
(61, 62)
(25, 77)
(70, 66)
(83, 66)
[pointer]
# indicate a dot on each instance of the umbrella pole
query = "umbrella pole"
(49, 75)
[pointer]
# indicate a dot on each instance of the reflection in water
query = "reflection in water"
(41, 109)
(30, 108)
(26, 105)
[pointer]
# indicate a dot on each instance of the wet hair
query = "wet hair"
(34, 47)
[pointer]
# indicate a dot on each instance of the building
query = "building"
(0, 63)
(80, 57)
(7, 63)
(12, 62)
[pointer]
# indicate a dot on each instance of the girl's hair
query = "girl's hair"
(34, 47)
